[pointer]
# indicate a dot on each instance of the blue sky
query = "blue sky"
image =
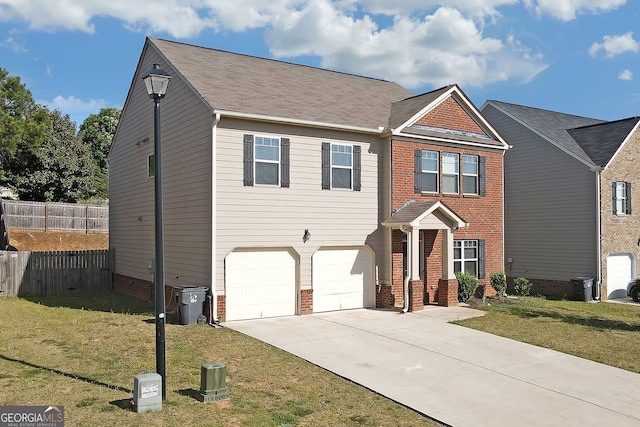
(575, 56)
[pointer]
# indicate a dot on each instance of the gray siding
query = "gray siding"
(270, 216)
(186, 153)
(550, 206)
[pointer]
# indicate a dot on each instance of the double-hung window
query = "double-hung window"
(341, 166)
(436, 172)
(266, 161)
(450, 173)
(470, 181)
(469, 257)
(621, 198)
(429, 171)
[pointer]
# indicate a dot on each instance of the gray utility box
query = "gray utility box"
(147, 392)
(190, 300)
(583, 287)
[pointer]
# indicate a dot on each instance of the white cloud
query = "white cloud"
(438, 49)
(72, 105)
(566, 10)
(615, 45)
(13, 45)
(421, 44)
(626, 75)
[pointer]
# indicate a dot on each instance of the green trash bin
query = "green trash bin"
(190, 300)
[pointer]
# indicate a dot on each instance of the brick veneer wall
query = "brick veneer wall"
(450, 115)
(144, 290)
(306, 301)
(483, 213)
(620, 233)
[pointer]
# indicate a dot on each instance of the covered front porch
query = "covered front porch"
(423, 256)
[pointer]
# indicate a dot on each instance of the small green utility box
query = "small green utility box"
(213, 382)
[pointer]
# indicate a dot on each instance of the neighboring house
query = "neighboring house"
(287, 188)
(568, 202)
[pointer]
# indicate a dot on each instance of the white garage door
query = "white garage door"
(260, 283)
(342, 279)
(619, 272)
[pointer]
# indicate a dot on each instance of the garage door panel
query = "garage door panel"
(342, 279)
(619, 272)
(260, 283)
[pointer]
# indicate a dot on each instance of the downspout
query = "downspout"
(598, 172)
(214, 299)
(405, 289)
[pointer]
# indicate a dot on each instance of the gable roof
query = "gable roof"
(239, 83)
(600, 142)
(403, 110)
(407, 113)
(412, 212)
(551, 125)
(593, 141)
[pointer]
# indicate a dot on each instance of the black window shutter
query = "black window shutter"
(482, 175)
(326, 166)
(357, 168)
(417, 171)
(284, 162)
(248, 160)
(481, 260)
(613, 198)
(627, 188)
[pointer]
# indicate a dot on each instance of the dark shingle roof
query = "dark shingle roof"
(252, 85)
(403, 110)
(551, 124)
(601, 141)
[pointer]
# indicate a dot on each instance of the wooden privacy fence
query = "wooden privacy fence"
(55, 273)
(55, 216)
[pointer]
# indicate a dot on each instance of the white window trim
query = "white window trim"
(430, 172)
(462, 260)
(256, 160)
(456, 174)
(332, 166)
(623, 199)
(475, 176)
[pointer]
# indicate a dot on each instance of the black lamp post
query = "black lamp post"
(157, 81)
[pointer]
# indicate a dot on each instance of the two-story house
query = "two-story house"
(568, 202)
(290, 189)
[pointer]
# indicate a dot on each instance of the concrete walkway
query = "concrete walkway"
(453, 374)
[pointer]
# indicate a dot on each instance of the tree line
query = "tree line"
(43, 157)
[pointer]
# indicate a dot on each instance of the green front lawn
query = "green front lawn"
(83, 353)
(603, 332)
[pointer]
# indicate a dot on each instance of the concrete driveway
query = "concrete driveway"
(453, 374)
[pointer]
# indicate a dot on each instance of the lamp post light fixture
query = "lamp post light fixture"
(156, 81)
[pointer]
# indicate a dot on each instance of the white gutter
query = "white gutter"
(598, 280)
(214, 303)
(451, 141)
(306, 123)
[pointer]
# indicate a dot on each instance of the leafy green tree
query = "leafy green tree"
(60, 170)
(23, 123)
(97, 132)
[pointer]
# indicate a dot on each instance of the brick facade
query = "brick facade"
(483, 213)
(450, 115)
(620, 233)
(306, 301)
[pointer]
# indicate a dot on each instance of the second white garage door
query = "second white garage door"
(260, 283)
(619, 273)
(342, 279)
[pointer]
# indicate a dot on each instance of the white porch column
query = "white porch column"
(447, 254)
(413, 244)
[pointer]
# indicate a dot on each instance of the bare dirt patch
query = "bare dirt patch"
(57, 241)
